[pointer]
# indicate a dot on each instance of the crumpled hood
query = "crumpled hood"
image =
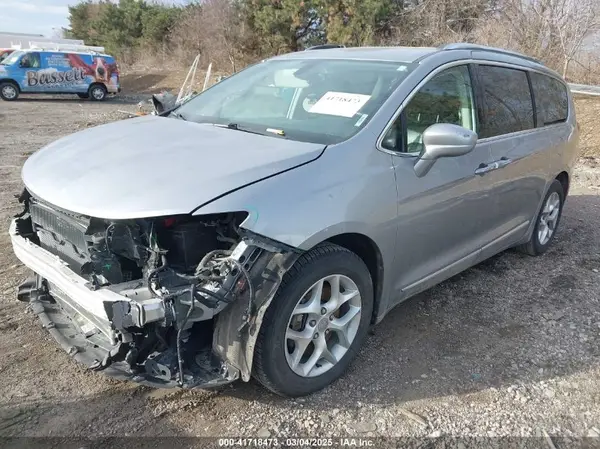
(154, 166)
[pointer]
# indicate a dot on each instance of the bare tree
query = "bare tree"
(573, 22)
(215, 29)
(188, 35)
(223, 29)
(554, 31)
(435, 22)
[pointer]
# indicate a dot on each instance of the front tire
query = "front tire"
(316, 323)
(547, 221)
(9, 91)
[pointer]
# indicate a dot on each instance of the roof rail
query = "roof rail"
(467, 46)
(56, 46)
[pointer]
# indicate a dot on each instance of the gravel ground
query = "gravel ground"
(507, 348)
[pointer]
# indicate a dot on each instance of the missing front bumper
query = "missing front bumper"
(204, 370)
(85, 323)
(128, 332)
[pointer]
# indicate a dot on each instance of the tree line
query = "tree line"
(232, 33)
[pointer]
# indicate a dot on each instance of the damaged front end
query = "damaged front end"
(168, 301)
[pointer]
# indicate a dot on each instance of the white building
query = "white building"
(7, 40)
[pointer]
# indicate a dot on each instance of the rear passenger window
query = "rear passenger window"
(551, 101)
(507, 101)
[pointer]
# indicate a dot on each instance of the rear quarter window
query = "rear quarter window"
(507, 103)
(551, 100)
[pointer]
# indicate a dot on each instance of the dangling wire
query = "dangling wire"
(192, 291)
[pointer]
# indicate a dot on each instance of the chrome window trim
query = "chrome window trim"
(454, 64)
(519, 133)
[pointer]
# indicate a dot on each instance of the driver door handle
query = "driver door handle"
(486, 168)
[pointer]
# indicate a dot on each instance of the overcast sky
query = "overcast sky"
(34, 16)
(38, 16)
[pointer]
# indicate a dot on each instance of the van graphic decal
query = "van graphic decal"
(53, 76)
(62, 72)
(100, 70)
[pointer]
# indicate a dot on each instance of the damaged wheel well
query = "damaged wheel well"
(367, 250)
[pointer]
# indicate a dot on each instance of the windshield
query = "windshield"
(4, 54)
(311, 100)
(12, 58)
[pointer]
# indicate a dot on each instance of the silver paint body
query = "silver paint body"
(426, 228)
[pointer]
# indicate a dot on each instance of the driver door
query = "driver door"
(30, 64)
(443, 215)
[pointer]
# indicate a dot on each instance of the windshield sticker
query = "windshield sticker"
(339, 103)
(361, 120)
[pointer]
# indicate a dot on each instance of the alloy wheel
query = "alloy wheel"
(98, 93)
(9, 92)
(323, 325)
(549, 218)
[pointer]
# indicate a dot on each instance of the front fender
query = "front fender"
(346, 190)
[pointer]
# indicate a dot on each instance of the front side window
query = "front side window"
(312, 100)
(30, 61)
(446, 98)
(551, 100)
(507, 101)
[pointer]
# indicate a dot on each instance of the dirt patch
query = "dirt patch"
(509, 347)
(136, 81)
(588, 114)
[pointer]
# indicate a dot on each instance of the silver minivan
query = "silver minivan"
(261, 227)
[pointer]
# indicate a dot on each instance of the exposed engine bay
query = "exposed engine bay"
(193, 288)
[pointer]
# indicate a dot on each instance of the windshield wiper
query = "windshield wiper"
(237, 127)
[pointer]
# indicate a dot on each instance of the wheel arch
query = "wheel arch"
(563, 178)
(365, 248)
(12, 81)
(97, 83)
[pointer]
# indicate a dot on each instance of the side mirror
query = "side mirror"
(443, 140)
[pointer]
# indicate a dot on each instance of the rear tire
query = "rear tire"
(9, 91)
(308, 318)
(97, 92)
(547, 221)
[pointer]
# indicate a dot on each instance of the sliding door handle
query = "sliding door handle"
(503, 162)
